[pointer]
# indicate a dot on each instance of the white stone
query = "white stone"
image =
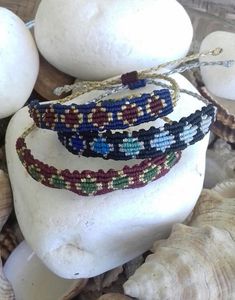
(98, 39)
(31, 280)
(87, 236)
(220, 81)
(19, 63)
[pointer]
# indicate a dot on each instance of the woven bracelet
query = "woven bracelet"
(107, 114)
(224, 125)
(114, 113)
(143, 143)
(87, 183)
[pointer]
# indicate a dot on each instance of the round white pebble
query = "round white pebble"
(19, 63)
(98, 39)
(79, 237)
(219, 80)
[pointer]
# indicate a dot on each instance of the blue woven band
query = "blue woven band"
(144, 143)
(108, 114)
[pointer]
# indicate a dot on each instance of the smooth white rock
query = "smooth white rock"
(31, 280)
(79, 236)
(98, 39)
(19, 63)
(220, 81)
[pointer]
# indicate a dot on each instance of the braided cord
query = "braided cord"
(87, 86)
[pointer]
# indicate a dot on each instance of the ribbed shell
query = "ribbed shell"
(6, 290)
(8, 242)
(196, 262)
(5, 198)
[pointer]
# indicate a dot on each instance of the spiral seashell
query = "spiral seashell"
(5, 198)
(196, 261)
(216, 207)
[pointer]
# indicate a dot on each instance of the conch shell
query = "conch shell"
(197, 261)
(5, 198)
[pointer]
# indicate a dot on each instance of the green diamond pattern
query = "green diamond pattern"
(120, 183)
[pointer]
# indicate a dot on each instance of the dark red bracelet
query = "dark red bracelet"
(87, 182)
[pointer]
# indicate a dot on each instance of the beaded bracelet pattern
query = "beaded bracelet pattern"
(87, 182)
(144, 143)
(108, 114)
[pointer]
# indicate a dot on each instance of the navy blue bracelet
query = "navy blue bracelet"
(108, 114)
(144, 143)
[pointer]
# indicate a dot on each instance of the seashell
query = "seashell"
(216, 207)
(220, 164)
(133, 265)
(219, 167)
(50, 78)
(8, 242)
(5, 198)
(28, 275)
(25, 9)
(197, 261)
(111, 277)
(114, 296)
(102, 281)
(6, 290)
(224, 126)
(186, 267)
(226, 189)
